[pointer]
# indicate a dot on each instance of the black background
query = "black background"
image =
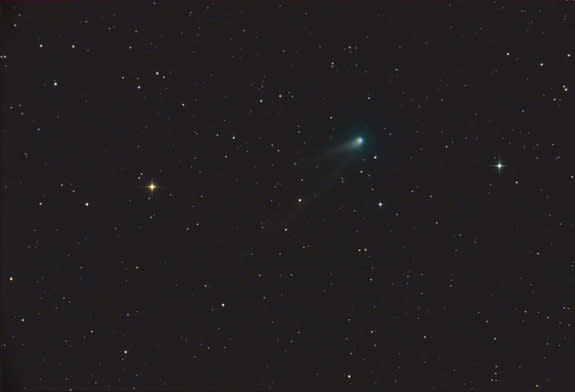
(412, 263)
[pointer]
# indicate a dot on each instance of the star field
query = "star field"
(288, 196)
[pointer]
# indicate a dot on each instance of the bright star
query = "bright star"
(499, 166)
(359, 141)
(152, 187)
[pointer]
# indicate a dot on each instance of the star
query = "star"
(499, 166)
(152, 187)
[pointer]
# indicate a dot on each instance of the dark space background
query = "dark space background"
(274, 252)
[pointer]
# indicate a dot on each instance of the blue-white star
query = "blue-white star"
(499, 166)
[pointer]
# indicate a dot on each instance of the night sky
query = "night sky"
(288, 196)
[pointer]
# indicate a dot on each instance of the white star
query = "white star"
(499, 166)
